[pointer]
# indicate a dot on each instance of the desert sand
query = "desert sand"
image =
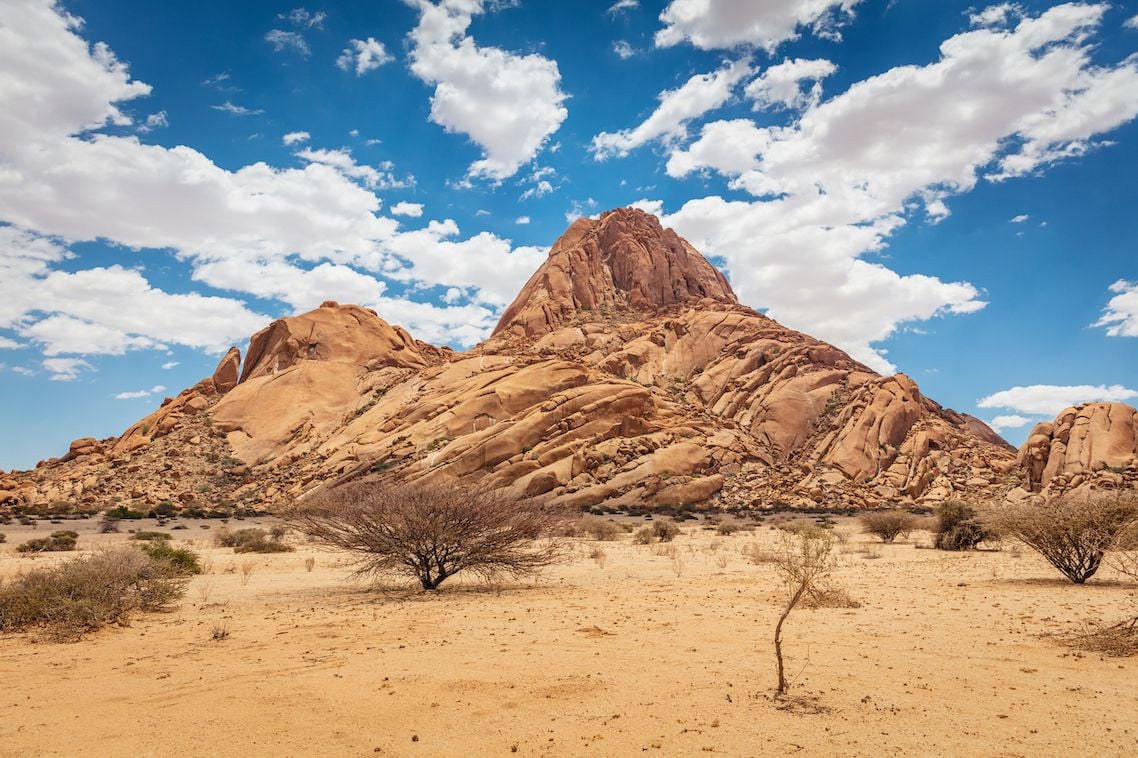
(658, 649)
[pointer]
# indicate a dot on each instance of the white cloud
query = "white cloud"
(1131, 23)
(832, 190)
(303, 289)
(781, 85)
(342, 161)
(507, 104)
(996, 15)
(23, 371)
(1000, 423)
(1050, 400)
(1120, 317)
(136, 394)
(66, 369)
(288, 41)
(293, 138)
(717, 24)
(522, 220)
(363, 56)
(304, 19)
(237, 110)
(9, 344)
(622, 49)
(698, 95)
(1020, 218)
(154, 121)
(169, 365)
(414, 210)
(623, 5)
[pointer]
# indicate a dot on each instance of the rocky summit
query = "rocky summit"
(625, 374)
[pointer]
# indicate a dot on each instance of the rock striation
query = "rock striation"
(625, 374)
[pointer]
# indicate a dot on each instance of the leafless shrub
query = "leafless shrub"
(1073, 532)
(309, 563)
(432, 531)
(888, 525)
(804, 562)
(657, 531)
(721, 561)
(1117, 641)
(83, 594)
(593, 527)
(219, 632)
(842, 536)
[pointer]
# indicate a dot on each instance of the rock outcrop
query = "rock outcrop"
(625, 375)
(1092, 445)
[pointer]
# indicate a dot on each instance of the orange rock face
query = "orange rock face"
(625, 374)
(1092, 445)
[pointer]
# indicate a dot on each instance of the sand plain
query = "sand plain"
(656, 649)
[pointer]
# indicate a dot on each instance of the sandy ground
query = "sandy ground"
(644, 652)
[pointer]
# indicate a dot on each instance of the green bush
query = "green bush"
(958, 527)
(251, 540)
(123, 512)
(83, 594)
(182, 560)
(60, 541)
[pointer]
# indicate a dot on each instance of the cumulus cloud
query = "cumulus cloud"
(296, 235)
(507, 104)
(363, 55)
(66, 369)
(781, 85)
(522, 220)
(1013, 421)
(1120, 317)
(170, 364)
(414, 210)
(1131, 23)
(1020, 218)
(1049, 400)
(622, 49)
(698, 95)
(342, 161)
(294, 138)
(720, 24)
(303, 18)
(136, 394)
(831, 190)
(154, 121)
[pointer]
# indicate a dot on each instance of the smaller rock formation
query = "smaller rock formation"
(1093, 445)
(226, 374)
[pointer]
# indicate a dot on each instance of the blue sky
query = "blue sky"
(943, 189)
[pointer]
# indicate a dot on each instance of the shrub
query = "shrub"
(643, 536)
(958, 527)
(251, 540)
(888, 525)
(727, 528)
(60, 541)
(83, 594)
(123, 512)
(108, 526)
(1073, 532)
(594, 528)
(432, 531)
(3, 538)
(181, 560)
(151, 536)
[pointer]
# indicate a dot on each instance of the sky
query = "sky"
(942, 189)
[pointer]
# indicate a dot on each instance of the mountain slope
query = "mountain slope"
(625, 373)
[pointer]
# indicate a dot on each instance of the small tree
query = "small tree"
(958, 527)
(432, 531)
(804, 562)
(1073, 531)
(888, 525)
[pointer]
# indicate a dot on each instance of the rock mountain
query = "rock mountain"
(626, 373)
